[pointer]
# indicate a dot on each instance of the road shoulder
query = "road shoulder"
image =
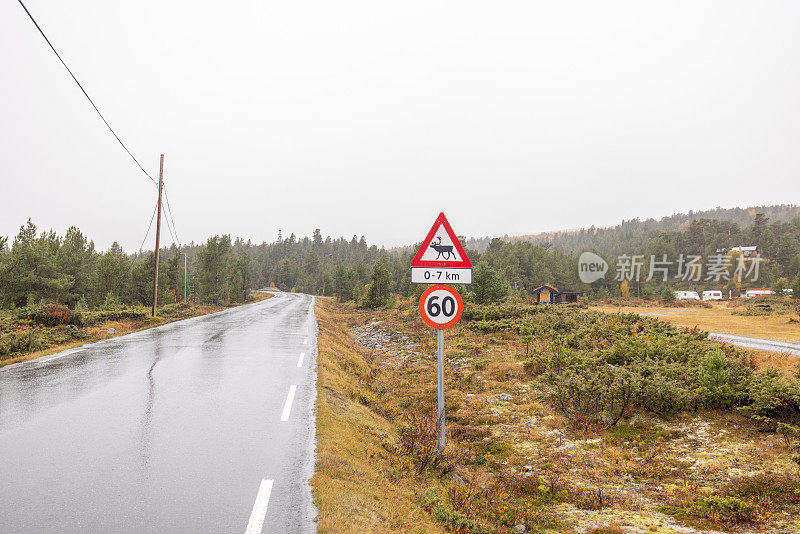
(353, 486)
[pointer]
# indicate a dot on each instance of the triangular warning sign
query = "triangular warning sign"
(441, 248)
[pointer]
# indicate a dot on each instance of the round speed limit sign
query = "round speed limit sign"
(440, 306)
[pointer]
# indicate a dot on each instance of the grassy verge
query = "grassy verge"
(55, 338)
(357, 485)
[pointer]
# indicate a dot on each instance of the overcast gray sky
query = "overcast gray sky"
(371, 117)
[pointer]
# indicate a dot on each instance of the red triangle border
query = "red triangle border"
(463, 264)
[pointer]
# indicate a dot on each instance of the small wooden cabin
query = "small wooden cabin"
(548, 294)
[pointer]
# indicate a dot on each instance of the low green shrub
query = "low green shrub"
(720, 510)
(789, 433)
(428, 498)
(14, 344)
(638, 432)
(118, 314)
(590, 393)
(538, 489)
(761, 306)
(455, 521)
(780, 488)
(468, 433)
(772, 396)
(601, 364)
(49, 314)
(496, 449)
(494, 312)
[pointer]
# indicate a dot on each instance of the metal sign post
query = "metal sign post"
(440, 307)
(440, 379)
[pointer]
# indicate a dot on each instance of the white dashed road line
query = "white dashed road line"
(287, 408)
(256, 523)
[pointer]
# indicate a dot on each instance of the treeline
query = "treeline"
(352, 270)
(46, 267)
(345, 268)
(68, 270)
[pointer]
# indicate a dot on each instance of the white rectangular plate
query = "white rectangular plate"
(440, 275)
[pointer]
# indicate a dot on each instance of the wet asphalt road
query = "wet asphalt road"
(171, 429)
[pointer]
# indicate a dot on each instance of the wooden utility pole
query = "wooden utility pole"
(184, 278)
(158, 235)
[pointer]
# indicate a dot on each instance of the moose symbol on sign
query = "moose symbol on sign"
(443, 250)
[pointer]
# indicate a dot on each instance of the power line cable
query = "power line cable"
(169, 210)
(152, 218)
(85, 93)
(169, 228)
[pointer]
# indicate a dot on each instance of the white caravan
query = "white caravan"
(686, 295)
(714, 294)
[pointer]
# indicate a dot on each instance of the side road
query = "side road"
(754, 343)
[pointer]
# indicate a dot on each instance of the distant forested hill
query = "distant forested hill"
(634, 234)
(775, 230)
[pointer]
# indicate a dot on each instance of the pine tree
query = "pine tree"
(214, 258)
(487, 285)
(379, 293)
(342, 283)
(31, 271)
(239, 278)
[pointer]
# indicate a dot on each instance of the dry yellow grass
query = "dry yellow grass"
(718, 318)
(787, 365)
(354, 487)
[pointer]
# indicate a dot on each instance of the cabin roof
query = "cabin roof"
(546, 287)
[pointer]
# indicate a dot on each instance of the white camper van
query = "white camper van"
(714, 294)
(686, 295)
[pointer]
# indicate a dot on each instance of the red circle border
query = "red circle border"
(452, 321)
